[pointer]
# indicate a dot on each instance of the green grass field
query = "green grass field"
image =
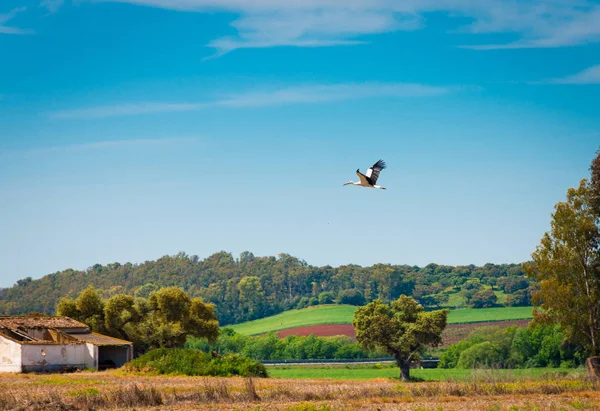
(342, 314)
(322, 314)
(433, 374)
(475, 315)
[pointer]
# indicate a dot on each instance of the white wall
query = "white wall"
(48, 357)
(91, 356)
(10, 355)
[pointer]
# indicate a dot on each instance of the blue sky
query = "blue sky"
(130, 129)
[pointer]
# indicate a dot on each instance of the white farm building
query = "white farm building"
(44, 344)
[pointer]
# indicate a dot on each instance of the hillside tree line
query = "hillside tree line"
(251, 287)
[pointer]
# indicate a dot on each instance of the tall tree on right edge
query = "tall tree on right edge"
(566, 265)
(595, 183)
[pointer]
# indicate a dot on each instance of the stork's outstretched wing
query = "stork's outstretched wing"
(364, 180)
(373, 172)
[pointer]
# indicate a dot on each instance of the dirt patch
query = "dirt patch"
(322, 330)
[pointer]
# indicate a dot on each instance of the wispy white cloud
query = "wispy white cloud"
(52, 5)
(15, 30)
(591, 75)
(551, 25)
(321, 93)
(122, 110)
(310, 28)
(6, 17)
(319, 23)
(225, 45)
(329, 93)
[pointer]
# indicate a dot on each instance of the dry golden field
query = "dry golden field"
(113, 390)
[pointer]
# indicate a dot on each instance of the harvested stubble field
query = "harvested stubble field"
(112, 390)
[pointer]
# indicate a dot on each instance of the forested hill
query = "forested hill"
(250, 287)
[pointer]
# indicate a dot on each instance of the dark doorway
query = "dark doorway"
(112, 356)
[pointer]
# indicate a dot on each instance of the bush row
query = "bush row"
(195, 363)
(513, 347)
(292, 347)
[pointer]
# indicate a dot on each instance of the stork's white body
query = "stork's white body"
(361, 184)
(368, 180)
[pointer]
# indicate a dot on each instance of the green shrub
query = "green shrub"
(483, 354)
(302, 303)
(352, 297)
(349, 351)
(497, 352)
(449, 358)
(196, 363)
(514, 347)
(483, 299)
(270, 347)
(325, 298)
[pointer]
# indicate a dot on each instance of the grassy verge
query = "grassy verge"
(366, 372)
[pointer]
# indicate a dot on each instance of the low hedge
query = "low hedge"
(176, 361)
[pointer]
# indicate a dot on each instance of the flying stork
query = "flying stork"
(370, 178)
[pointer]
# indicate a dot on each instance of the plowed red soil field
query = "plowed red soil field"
(452, 334)
(323, 330)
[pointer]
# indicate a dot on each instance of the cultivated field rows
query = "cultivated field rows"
(452, 334)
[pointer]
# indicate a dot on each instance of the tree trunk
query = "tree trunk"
(593, 367)
(404, 369)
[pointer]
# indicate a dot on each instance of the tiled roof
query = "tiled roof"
(14, 327)
(12, 322)
(99, 339)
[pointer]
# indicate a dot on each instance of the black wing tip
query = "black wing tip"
(380, 164)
